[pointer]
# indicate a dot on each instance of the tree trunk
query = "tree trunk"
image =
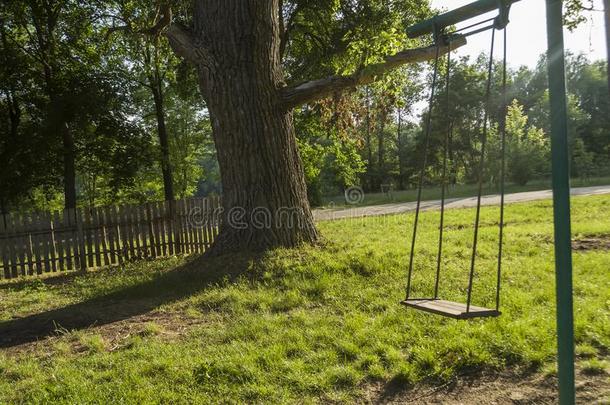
(235, 45)
(69, 166)
(14, 111)
(166, 168)
(369, 149)
(60, 126)
(399, 146)
(45, 22)
(607, 19)
(264, 193)
(381, 173)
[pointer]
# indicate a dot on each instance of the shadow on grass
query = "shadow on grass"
(51, 279)
(128, 302)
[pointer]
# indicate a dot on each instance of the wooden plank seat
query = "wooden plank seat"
(450, 309)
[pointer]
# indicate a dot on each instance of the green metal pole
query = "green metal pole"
(561, 201)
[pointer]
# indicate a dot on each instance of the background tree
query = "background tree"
(108, 110)
(57, 80)
(528, 147)
(52, 36)
(575, 15)
(152, 64)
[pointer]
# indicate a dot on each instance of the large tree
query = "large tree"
(237, 47)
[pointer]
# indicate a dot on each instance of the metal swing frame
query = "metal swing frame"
(560, 170)
(435, 304)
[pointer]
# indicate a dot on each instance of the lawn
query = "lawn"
(458, 191)
(318, 323)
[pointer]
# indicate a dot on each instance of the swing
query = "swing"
(435, 304)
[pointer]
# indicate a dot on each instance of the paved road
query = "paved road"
(397, 208)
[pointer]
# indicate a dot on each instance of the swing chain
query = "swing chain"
(441, 38)
(423, 167)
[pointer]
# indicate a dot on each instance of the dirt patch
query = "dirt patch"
(598, 242)
(503, 388)
(581, 243)
(168, 326)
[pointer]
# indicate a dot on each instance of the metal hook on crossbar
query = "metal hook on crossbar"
(438, 33)
(502, 20)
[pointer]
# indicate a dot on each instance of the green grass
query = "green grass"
(307, 325)
(459, 191)
(596, 366)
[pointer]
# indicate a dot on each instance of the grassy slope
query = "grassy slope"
(317, 323)
(459, 191)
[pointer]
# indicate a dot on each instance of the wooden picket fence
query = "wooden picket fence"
(86, 238)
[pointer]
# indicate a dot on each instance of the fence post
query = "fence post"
(175, 227)
(82, 255)
(152, 243)
(4, 240)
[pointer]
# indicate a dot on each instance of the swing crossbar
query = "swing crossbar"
(450, 309)
(453, 17)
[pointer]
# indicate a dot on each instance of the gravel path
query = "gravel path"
(467, 202)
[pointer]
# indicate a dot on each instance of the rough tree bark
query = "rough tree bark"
(235, 45)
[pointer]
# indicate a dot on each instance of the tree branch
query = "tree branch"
(165, 20)
(181, 41)
(112, 30)
(186, 45)
(317, 89)
(180, 38)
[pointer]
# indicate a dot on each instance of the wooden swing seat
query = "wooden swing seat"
(450, 309)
